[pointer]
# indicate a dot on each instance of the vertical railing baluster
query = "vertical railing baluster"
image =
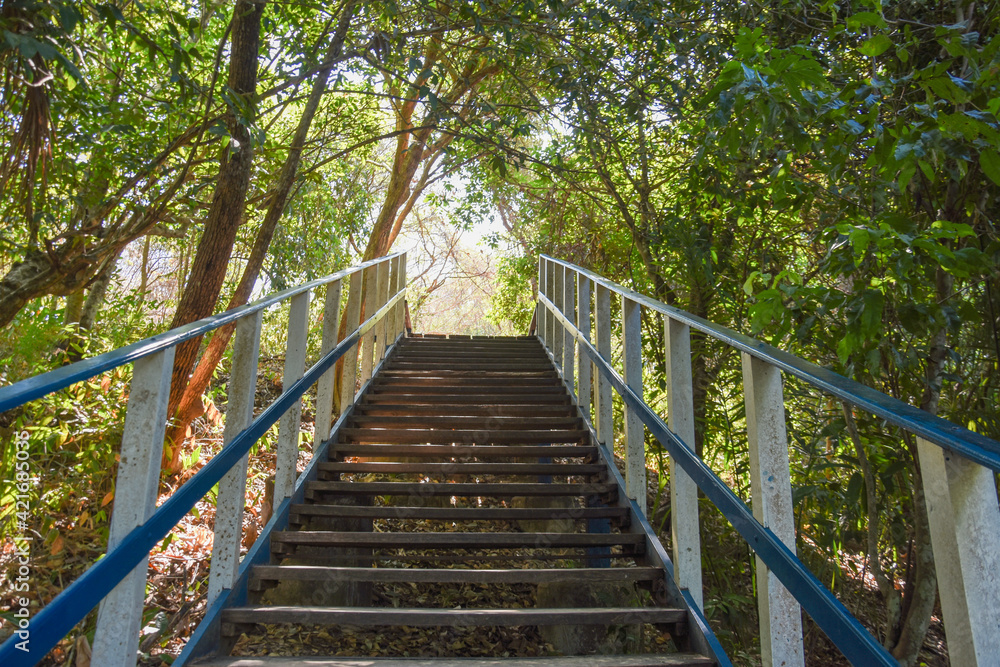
(541, 312)
(569, 340)
(603, 409)
(288, 428)
(325, 389)
(584, 375)
(392, 326)
(558, 295)
(382, 328)
(964, 518)
(550, 319)
(352, 314)
(136, 484)
(771, 488)
(401, 305)
(635, 434)
(686, 539)
(233, 486)
(367, 344)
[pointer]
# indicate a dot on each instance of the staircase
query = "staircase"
(478, 439)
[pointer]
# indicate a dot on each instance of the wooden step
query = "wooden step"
(484, 399)
(536, 355)
(451, 540)
(464, 410)
(393, 467)
(476, 380)
(264, 573)
(477, 451)
(384, 616)
(457, 489)
(511, 387)
(453, 422)
(464, 436)
(656, 660)
(457, 513)
(506, 366)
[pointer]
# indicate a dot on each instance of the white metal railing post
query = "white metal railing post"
(685, 535)
(367, 344)
(964, 518)
(233, 486)
(557, 298)
(771, 488)
(287, 454)
(136, 484)
(584, 389)
(352, 315)
(382, 327)
(635, 434)
(569, 340)
(603, 409)
(325, 389)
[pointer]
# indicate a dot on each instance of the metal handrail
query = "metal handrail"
(57, 618)
(29, 389)
(846, 632)
(971, 445)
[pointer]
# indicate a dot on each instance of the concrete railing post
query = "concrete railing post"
(382, 328)
(603, 409)
(686, 538)
(352, 314)
(635, 434)
(367, 344)
(233, 486)
(326, 386)
(771, 488)
(584, 376)
(964, 520)
(119, 618)
(569, 340)
(288, 428)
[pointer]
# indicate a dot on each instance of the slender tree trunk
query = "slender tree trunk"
(144, 271)
(208, 270)
(189, 405)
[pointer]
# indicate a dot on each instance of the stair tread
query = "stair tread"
(426, 617)
(458, 513)
(655, 660)
(453, 539)
(455, 422)
(461, 488)
(395, 467)
(505, 451)
(470, 436)
(453, 575)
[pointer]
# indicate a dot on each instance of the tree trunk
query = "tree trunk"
(189, 405)
(208, 270)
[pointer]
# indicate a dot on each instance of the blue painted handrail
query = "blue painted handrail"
(846, 632)
(31, 388)
(57, 618)
(971, 445)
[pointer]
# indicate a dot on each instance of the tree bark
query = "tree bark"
(208, 270)
(189, 405)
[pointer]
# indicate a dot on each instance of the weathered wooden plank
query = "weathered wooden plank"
(373, 616)
(659, 660)
(330, 538)
(459, 489)
(457, 513)
(467, 397)
(491, 422)
(511, 387)
(465, 410)
(393, 467)
(505, 380)
(478, 451)
(467, 436)
(453, 576)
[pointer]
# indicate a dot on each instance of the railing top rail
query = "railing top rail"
(31, 388)
(932, 428)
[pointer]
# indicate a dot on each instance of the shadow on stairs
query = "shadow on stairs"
(464, 493)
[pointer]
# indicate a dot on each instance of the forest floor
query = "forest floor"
(178, 576)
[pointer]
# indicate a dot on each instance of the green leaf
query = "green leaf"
(875, 46)
(989, 160)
